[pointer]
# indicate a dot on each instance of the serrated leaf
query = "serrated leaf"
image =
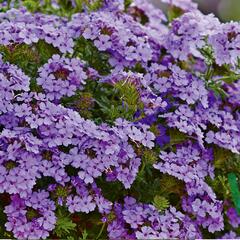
(64, 225)
(84, 235)
(160, 202)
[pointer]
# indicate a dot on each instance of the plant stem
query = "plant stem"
(101, 231)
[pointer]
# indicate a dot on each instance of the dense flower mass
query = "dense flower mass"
(118, 121)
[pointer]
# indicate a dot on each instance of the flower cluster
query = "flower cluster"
(117, 122)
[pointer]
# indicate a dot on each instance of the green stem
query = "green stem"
(236, 77)
(209, 72)
(8, 4)
(101, 231)
(142, 168)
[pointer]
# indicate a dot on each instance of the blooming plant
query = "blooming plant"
(118, 121)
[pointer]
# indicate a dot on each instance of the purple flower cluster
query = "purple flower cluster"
(61, 77)
(173, 71)
(20, 26)
(32, 217)
(148, 223)
(12, 79)
(119, 34)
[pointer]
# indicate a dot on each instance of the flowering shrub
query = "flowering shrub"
(118, 121)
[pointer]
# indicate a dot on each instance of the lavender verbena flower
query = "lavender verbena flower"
(80, 204)
(233, 93)
(83, 201)
(188, 33)
(225, 43)
(129, 164)
(208, 211)
(189, 163)
(12, 79)
(184, 120)
(113, 5)
(31, 218)
(87, 198)
(228, 129)
(93, 157)
(147, 233)
(53, 164)
(19, 168)
(155, 16)
(180, 83)
(126, 40)
(20, 26)
(136, 132)
(230, 235)
(61, 77)
(151, 224)
(174, 71)
(233, 217)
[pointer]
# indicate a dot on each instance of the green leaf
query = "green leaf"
(220, 186)
(176, 136)
(64, 224)
(161, 203)
(84, 235)
(127, 3)
(207, 52)
(86, 50)
(31, 5)
(70, 238)
(174, 12)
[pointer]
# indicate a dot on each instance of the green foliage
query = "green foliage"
(22, 55)
(226, 185)
(70, 238)
(82, 101)
(177, 137)
(174, 12)
(110, 101)
(150, 183)
(127, 3)
(207, 52)
(31, 5)
(149, 156)
(228, 76)
(86, 50)
(170, 184)
(28, 57)
(220, 186)
(234, 188)
(84, 235)
(161, 203)
(3, 218)
(111, 190)
(93, 5)
(64, 224)
(217, 88)
(226, 161)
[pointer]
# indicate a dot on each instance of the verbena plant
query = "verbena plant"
(118, 121)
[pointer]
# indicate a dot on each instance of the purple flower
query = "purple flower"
(32, 217)
(61, 77)
(234, 218)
